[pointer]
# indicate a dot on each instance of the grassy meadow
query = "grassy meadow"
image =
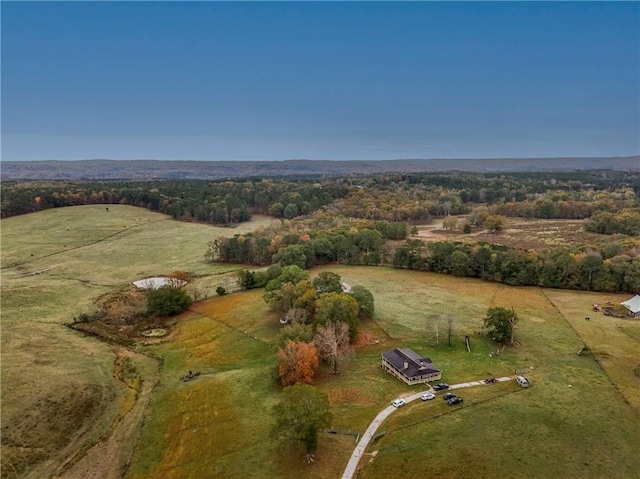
(581, 418)
(574, 421)
(56, 379)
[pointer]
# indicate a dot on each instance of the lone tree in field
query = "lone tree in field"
(298, 363)
(332, 342)
(450, 223)
(495, 223)
(449, 319)
(301, 412)
(499, 323)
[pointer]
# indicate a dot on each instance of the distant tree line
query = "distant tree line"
(495, 188)
(217, 202)
(615, 267)
(412, 198)
(612, 266)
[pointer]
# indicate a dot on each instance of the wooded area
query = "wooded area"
(361, 219)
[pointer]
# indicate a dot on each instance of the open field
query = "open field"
(572, 423)
(580, 419)
(54, 378)
(520, 233)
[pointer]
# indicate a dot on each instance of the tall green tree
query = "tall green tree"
(499, 323)
(301, 412)
(299, 295)
(364, 298)
(291, 255)
(328, 282)
(337, 307)
(288, 274)
(459, 261)
(590, 265)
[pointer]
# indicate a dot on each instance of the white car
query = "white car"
(398, 402)
(522, 381)
(428, 396)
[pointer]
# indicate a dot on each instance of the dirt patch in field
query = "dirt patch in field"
(366, 338)
(122, 307)
(540, 234)
(348, 396)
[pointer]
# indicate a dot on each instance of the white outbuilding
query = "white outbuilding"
(633, 305)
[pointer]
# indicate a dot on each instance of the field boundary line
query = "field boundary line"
(495, 293)
(229, 326)
(594, 356)
(382, 329)
(627, 333)
(126, 229)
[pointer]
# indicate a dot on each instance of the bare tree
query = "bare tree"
(296, 315)
(449, 319)
(433, 330)
(332, 342)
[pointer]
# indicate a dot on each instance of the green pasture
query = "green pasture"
(79, 253)
(573, 422)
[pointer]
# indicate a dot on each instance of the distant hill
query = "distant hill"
(154, 169)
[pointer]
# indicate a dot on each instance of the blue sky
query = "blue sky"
(319, 80)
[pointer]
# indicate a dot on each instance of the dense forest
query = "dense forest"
(369, 220)
(393, 197)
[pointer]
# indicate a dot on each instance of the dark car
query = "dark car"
(455, 400)
(440, 387)
(447, 396)
(490, 380)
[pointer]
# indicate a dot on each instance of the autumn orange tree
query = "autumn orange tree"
(298, 363)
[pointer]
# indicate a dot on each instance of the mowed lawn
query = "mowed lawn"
(574, 422)
(48, 370)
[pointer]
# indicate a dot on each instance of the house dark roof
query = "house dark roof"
(416, 365)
